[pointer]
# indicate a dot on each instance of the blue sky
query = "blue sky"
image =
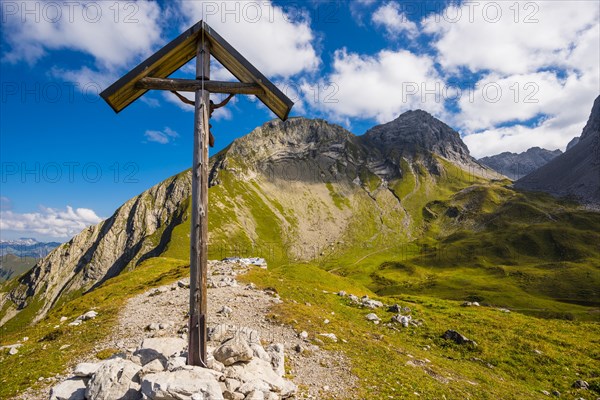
(506, 75)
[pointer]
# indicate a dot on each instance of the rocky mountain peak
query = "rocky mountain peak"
(592, 128)
(416, 131)
(515, 165)
(295, 131)
(576, 173)
(573, 142)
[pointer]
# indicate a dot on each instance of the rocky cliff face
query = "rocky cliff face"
(592, 127)
(416, 132)
(576, 173)
(304, 183)
(299, 149)
(318, 149)
(572, 143)
(103, 251)
(515, 165)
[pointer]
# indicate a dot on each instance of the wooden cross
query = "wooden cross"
(200, 41)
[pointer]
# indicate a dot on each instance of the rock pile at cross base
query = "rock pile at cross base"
(247, 350)
(239, 368)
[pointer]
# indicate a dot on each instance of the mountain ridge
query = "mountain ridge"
(576, 173)
(313, 159)
(517, 165)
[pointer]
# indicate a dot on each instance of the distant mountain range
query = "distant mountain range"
(20, 255)
(27, 247)
(516, 166)
(576, 173)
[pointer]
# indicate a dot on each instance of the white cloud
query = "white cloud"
(566, 103)
(276, 43)
(378, 87)
(165, 136)
(492, 36)
(49, 221)
(359, 9)
(496, 99)
(394, 21)
(519, 138)
(556, 54)
(114, 33)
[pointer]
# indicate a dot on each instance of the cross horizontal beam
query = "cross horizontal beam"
(192, 85)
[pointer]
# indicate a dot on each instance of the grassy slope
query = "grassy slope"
(456, 237)
(41, 356)
(504, 365)
(12, 266)
(475, 244)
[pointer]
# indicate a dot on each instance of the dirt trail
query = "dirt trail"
(318, 373)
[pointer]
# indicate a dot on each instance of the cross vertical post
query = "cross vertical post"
(199, 224)
(202, 42)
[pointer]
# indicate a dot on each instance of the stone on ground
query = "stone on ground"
(184, 384)
(71, 389)
(115, 379)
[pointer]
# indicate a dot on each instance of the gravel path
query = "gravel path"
(318, 373)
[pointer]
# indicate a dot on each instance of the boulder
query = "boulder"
(184, 283)
(395, 308)
(232, 384)
(89, 315)
(457, 337)
(277, 358)
(86, 370)
(185, 384)
(260, 352)
(176, 362)
(223, 332)
(115, 379)
(369, 303)
(153, 366)
(258, 370)
(402, 319)
(71, 389)
(161, 348)
(255, 395)
(372, 317)
(153, 326)
(214, 364)
(330, 336)
(225, 310)
(234, 350)
(579, 384)
(254, 386)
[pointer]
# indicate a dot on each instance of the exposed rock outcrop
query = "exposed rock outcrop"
(516, 166)
(103, 251)
(576, 173)
(277, 162)
(572, 143)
